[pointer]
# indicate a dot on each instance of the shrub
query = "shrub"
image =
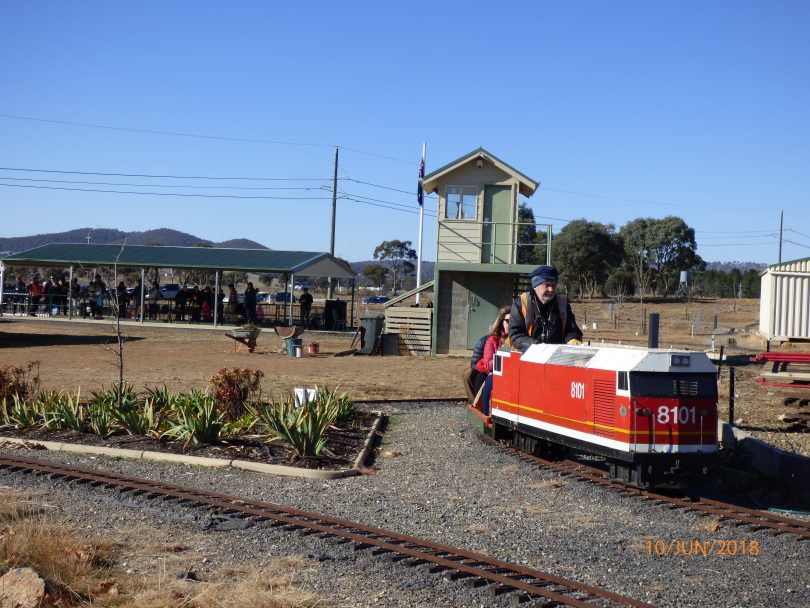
(303, 427)
(22, 380)
(60, 411)
(161, 397)
(21, 413)
(195, 417)
(100, 419)
(233, 388)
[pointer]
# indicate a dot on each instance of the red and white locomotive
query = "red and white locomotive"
(652, 413)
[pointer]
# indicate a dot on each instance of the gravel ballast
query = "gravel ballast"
(438, 481)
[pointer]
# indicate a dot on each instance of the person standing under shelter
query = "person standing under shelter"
(540, 316)
(250, 304)
(305, 302)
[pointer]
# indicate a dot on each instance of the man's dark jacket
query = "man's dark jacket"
(548, 323)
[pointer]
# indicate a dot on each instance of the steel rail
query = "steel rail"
(760, 520)
(528, 583)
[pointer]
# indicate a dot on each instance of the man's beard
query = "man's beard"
(546, 298)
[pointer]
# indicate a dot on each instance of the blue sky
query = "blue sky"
(621, 110)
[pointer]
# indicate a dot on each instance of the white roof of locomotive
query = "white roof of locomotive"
(618, 358)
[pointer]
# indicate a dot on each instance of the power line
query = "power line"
(65, 181)
(797, 232)
(285, 198)
(378, 200)
(795, 243)
(198, 136)
(415, 211)
(247, 179)
(357, 181)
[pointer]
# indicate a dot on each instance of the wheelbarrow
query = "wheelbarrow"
(244, 338)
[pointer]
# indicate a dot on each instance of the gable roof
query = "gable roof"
(305, 263)
(527, 185)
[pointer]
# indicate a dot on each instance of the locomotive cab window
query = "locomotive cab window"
(673, 385)
(622, 382)
(497, 364)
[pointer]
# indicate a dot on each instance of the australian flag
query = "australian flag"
(420, 194)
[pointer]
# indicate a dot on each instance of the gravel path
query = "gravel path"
(439, 482)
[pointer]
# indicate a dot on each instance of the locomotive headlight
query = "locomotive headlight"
(679, 360)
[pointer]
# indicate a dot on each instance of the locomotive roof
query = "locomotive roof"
(620, 358)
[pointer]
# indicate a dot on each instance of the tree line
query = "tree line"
(645, 257)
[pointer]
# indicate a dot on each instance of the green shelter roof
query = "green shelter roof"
(306, 263)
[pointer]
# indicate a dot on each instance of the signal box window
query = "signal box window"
(460, 202)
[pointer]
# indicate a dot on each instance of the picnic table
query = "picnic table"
(788, 369)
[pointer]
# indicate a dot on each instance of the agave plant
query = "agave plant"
(139, 418)
(101, 419)
(303, 426)
(195, 417)
(22, 414)
(161, 397)
(343, 404)
(58, 410)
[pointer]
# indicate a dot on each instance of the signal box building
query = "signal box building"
(481, 261)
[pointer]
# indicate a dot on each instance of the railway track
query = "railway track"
(500, 577)
(758, 520)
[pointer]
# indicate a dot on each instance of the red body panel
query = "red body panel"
(584, 404)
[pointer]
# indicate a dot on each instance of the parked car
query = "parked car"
(169, 291)
(262, 296)
(303, 285)
(376, 300)
(281, 296)
(240, 298)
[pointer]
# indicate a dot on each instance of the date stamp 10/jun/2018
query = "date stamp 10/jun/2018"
(702, 548)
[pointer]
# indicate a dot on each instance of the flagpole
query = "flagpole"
(420, 197)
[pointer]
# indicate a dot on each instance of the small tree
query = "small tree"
(376, 273)
(399, 255)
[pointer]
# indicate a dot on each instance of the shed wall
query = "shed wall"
(785, 301)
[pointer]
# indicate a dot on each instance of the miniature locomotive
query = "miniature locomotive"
(652, 413)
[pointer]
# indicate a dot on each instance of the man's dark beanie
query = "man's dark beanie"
(541, 274)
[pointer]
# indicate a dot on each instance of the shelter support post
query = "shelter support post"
(216, 297)
(2, 284)
(352, 317)
(140, 295)
(292, 287)
(70, 293)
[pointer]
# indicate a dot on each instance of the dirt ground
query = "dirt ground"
(77, 354)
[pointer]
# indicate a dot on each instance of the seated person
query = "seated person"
(540, 316)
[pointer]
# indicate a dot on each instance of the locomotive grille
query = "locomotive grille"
(604, 407)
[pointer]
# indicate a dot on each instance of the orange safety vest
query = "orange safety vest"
(528, 313)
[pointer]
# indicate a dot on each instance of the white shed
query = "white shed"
(784, 304)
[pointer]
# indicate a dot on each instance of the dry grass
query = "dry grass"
(72, 566)
(81, 570)
(529, 509)
(709, 525)
(272, 587)
(479, 529)
(549, 484)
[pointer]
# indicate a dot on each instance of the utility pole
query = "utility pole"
(781, 217)
(334, 211)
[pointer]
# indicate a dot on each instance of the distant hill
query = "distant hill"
(112, 236)
(729, 266)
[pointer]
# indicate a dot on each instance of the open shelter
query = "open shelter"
(72, 255)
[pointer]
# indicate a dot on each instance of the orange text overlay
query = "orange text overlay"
(702, 548)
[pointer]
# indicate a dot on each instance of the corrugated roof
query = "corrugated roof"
(305, 263)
